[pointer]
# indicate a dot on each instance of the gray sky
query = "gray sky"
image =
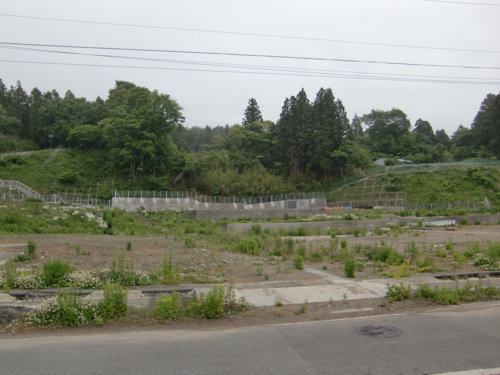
(215, 89)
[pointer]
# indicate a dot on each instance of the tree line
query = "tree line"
(311, 145)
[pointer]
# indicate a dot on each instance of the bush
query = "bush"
(350, 266)
(298, 262)
(170, 271)
(114, 304)
(168, 307)
(65, 310)
(54, 273)
(210, 305)
(398, 292)
(387, 255)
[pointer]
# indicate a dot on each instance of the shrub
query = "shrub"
(9, 274)
(350, 266)
(168, 307)
(170, 271)
(31, 254)
(189, 242)
(114, 304)
(210, 305)
(398, 292)
(129, 244)
(387, 255)
(54, 273)
(472, 249)
(65, 310)
(298, 261)
(302, 250)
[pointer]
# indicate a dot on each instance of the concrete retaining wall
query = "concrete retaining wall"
(369, 225)
(218, 211)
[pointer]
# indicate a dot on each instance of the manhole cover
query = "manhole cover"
(379, 331)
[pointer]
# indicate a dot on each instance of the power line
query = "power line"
(253, 66)
(316, 75)
(246, 55)
(251, 34)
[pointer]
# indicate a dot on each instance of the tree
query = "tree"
(85, 137)
(486, 125)
(356, 126)
(138, 131)
(351, 156)
(442, 138)
(331, 127)
(292, 133)
(462, 146)
(424, 128)
(252, 113)
(386, 129)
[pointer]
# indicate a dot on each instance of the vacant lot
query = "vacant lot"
(207, 263)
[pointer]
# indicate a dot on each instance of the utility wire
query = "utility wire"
(260, 67)
(247, 55)
(297, 74)
(251, 34)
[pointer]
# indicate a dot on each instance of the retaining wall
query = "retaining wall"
(218, 211)
(367, 224)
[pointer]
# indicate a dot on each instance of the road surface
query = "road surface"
(440, 341)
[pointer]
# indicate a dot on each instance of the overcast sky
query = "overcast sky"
(349, 46)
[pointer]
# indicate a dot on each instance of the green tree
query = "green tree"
(442, 138)
(85, 137)
(330, 128)
(292, 133)
(486, 125)
(252, 113)
(138, 132)
(424, 128)
(386, 130)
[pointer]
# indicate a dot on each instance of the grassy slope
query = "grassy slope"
(40, 170)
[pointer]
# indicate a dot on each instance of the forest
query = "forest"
(137, 137)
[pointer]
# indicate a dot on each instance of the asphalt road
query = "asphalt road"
(440, 341)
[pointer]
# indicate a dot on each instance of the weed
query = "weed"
(278, 303)
(168, 307)
(472, 249)
(440, 252)
(325, 267)
(403, 270)
(208, 305)
(129, 246)
(114, 304)
(170, 271)
(302, 250)
(189, 242)
(350, 266)
(10, 275)
(54, 273)
(259, 269)
(31, 254)
(298, 262)
(398, 292)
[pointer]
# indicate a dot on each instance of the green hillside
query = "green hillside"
(450, 185)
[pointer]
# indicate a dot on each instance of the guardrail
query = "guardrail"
(22, 188)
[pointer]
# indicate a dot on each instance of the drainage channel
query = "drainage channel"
(465, 275)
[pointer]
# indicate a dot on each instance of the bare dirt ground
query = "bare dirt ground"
(98, 251)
